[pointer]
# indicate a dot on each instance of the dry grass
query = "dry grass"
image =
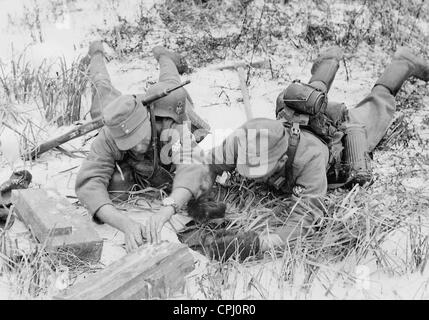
(56, 89)
(128, 37)
(358, 226)
(19, 78)
(215, 30)
(357, 223)
(31, 21)
(61, 95)
(236, 29)
(354, 230)
(386, 24)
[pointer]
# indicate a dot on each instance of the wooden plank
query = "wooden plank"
(42, 213)
(151, 271)
(56, 224)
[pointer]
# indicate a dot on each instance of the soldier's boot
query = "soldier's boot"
(179, 61)
(325, 68)
(103, 91)
(18, 180)
(95, 47)
(404, 64)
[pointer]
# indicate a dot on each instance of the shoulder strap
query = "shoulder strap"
(294, 138)
(284, 180)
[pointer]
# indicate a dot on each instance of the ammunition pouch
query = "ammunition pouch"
(161, 178)
(145, 175)
(322, 126)
(121, 182)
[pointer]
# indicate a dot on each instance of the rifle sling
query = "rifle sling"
(154, 139)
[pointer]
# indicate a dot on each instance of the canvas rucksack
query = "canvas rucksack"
(302, 106)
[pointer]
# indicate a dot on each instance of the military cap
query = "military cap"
(265, 142)
(127, 121)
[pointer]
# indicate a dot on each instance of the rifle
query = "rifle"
(91, 126)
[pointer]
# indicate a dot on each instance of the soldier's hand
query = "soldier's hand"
(156, 222)
(134, 236)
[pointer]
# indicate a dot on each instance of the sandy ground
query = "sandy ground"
(69, 35)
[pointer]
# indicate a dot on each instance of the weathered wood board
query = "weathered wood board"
(56, 224)
(151, 271)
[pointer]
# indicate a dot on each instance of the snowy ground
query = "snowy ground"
(68, 35)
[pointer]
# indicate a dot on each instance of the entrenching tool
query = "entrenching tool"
(243, 86)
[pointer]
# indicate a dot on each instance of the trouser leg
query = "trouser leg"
(394, 76)
(376, 113)
(377, 110)
(168, 70)
(103, 91)
(325, 75)
(325, 68)
(168, 77)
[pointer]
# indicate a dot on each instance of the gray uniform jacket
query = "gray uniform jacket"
(98, 168)
(309, 175)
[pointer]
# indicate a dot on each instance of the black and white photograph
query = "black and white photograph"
(223, 151)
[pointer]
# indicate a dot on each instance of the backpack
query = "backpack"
(302, 106)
